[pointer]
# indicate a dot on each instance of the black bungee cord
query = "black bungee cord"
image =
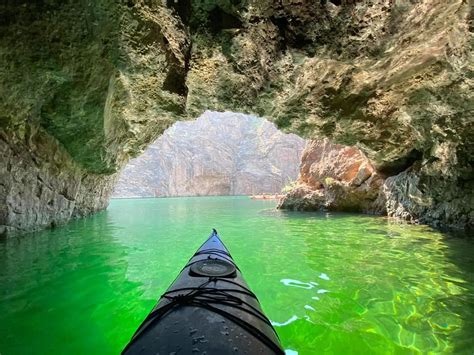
(206, 297)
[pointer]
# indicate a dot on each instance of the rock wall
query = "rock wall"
(40, 186)
(336, 178)
(393, 78)
(340, 178)
(218, 154)
(103, 79)
(84, 86)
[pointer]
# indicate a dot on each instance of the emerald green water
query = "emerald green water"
(331, 283)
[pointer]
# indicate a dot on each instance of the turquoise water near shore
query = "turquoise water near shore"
(330, 283)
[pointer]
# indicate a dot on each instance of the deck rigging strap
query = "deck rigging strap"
(204, 297)
(209, 257)
(218, 252)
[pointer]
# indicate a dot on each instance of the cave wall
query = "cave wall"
(103, 79)
(41, 186)
(84, 86)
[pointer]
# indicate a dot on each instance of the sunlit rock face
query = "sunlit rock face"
(336, 178)
(101, 80)
(218, 154)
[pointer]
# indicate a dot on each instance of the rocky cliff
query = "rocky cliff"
(100, 80)
(337, 178)
(218, 154)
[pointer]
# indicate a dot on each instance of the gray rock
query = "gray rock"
(218, 154)
(41, 187)
(105, 78)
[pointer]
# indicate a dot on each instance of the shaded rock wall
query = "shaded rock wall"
(105, 78)
(218, 154)
(417, 196)
(40, 186)
(336, 178)
(93, 75)
(96, 81)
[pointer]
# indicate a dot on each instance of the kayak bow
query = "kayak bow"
(208, 309)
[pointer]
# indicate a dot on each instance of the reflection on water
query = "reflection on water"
(330, 283)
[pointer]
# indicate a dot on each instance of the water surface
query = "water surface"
(330, 283)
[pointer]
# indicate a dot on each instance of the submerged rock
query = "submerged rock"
(103, 79)
(218, 154)
(335, 177)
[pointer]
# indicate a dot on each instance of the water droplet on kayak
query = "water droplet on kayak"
(200, 339)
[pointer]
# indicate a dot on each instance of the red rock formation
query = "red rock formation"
(335, 177)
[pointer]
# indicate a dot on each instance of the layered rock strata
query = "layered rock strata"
(103, 79)
(218, 154)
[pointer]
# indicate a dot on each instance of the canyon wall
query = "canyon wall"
(218, 154)
(101, 80)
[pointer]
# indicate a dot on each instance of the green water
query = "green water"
(331, 283)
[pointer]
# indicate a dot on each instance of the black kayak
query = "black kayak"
(208, 309)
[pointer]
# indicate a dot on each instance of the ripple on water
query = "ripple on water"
(297, 283)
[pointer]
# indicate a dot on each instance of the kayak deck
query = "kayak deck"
(208, 309)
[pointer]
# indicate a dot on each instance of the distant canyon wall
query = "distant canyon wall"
(218, 154)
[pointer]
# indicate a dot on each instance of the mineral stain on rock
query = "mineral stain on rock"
(335, 177)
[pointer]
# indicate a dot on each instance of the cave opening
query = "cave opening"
(219, 153)
(401, 164)
(222, 20)
(182, 8)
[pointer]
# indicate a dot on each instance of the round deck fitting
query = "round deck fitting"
(212, 268)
